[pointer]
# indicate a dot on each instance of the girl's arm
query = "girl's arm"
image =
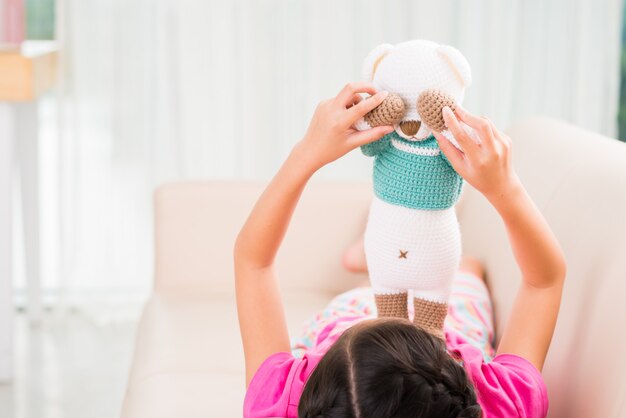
(330, 135)
(487, 166)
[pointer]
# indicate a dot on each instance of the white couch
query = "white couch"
(188, 360)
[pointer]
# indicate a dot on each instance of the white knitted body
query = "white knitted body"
(431, 244)
(406, 248)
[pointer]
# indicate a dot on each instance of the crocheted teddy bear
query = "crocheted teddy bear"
(412, 238)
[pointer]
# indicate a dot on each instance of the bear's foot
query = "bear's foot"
(392, 305)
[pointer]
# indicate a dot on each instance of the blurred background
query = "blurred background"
(130, 94)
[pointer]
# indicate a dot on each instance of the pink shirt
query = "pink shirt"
(507, 386)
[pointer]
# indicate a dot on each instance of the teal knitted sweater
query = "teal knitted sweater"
(418, 175)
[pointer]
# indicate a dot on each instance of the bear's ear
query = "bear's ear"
(374, 58)
(457, 62)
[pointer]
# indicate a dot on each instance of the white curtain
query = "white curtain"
(161, 90)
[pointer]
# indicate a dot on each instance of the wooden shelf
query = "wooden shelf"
(27, 71)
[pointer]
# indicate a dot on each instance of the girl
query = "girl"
(361, 366)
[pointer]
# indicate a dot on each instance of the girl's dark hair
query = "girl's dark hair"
(388, 368)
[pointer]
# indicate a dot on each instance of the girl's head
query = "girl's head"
(388, 368)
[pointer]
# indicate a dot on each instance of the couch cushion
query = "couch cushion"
(188, 357)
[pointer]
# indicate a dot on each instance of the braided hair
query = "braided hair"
(388, 368)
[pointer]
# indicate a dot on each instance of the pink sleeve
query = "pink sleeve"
(277, 385)
(269, 391)
(510, 386)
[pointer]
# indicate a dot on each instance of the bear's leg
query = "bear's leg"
(392, 305)
(430, 315)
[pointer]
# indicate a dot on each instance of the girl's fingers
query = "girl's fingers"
(504, 140)
(482, 125)
(359, 110)
(468, 145)
(454, 155)
(347, 93)
(500, 135)
(370, 135)
(356, 99)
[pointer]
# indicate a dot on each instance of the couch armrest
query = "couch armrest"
(577, 179)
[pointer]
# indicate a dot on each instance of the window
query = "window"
(621, 117)
(40, 19)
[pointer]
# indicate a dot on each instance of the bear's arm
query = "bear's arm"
(372, 149)
(454, 142)
(443, 157)
(461, 182)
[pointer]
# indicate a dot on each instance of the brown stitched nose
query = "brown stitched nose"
(410, 127)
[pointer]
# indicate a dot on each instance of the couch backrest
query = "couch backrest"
(197, 224)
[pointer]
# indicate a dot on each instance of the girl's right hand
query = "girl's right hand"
(485, 164)
(332, 134)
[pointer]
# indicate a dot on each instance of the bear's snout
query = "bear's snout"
(410, 127)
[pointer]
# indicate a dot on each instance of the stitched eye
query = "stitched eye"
(429, 105)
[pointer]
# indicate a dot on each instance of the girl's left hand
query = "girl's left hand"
(485, 164)
(331, 133)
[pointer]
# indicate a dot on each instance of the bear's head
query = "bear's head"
(409, 69)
